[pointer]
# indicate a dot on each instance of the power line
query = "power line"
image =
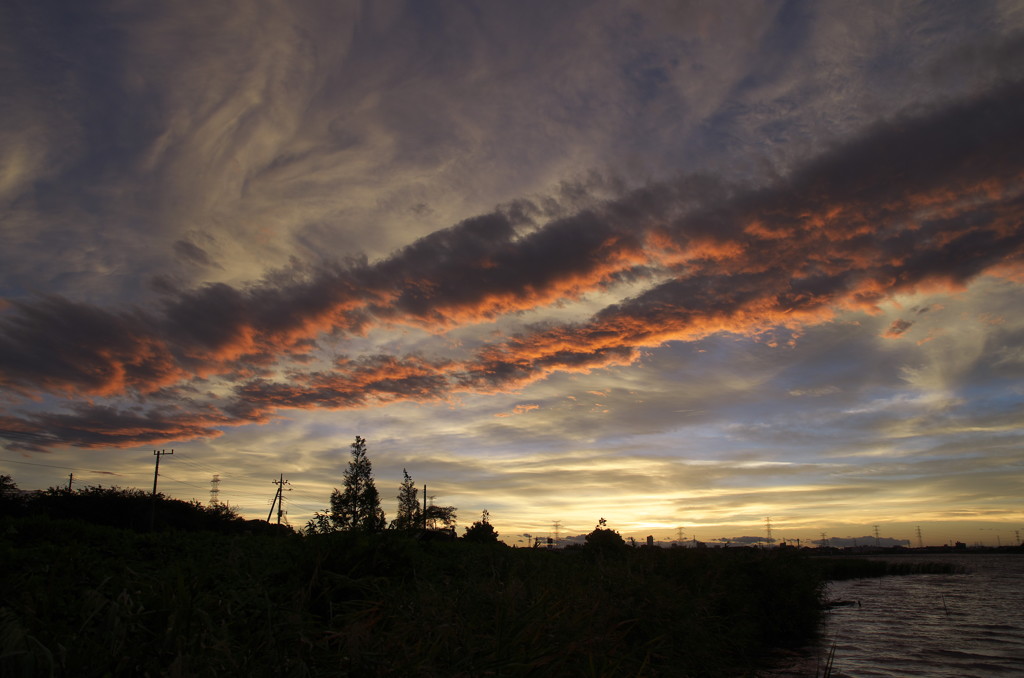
(66, 468)
(210, 469)
(182, 482)
(196, 465)
(305, 506)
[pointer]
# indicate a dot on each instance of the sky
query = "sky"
(694, 268)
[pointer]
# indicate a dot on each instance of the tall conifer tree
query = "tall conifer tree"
(357, 507)
(409, 513)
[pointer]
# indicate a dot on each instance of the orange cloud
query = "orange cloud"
(518, 409)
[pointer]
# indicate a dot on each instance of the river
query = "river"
(955, 626)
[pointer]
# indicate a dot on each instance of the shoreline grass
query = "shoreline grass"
(87, 600)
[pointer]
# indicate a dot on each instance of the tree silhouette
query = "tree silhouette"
(320, 523)
(440, 518)
(357, 507)
(481, 531)
(409, 514)
(604, 538)
(9, 499)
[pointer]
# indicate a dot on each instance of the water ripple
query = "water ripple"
(941, 626)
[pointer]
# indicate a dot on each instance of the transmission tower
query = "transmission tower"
(215, 490)
(278, 499)
(824, 540)
(679, 535)
(920, 540)
(877, 541)
(557, 529)
(768, 529)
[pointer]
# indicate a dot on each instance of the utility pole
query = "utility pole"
(156, 474)
(278, 499)
(71, 476)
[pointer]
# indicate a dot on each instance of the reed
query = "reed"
(86, 600)
(829, 661)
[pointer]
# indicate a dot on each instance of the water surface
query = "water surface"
(955, 626)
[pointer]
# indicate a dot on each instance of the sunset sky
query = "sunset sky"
(677, 265)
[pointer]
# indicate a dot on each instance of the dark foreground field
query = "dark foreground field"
(87, 600)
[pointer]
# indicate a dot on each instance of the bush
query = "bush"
(481, 532)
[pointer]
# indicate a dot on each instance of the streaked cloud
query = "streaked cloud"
(824, 241)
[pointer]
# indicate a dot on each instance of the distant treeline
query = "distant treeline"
(126, 508)
(845, 567)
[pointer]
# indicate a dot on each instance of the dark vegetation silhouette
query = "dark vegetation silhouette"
(9, 499)
(128, 508)
(482, 532)
(357, 507)
(410, 516)
(604, 539)
(93, 600)
(442, 518)
(89, 591)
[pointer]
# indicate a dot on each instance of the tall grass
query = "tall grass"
(83, 600)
